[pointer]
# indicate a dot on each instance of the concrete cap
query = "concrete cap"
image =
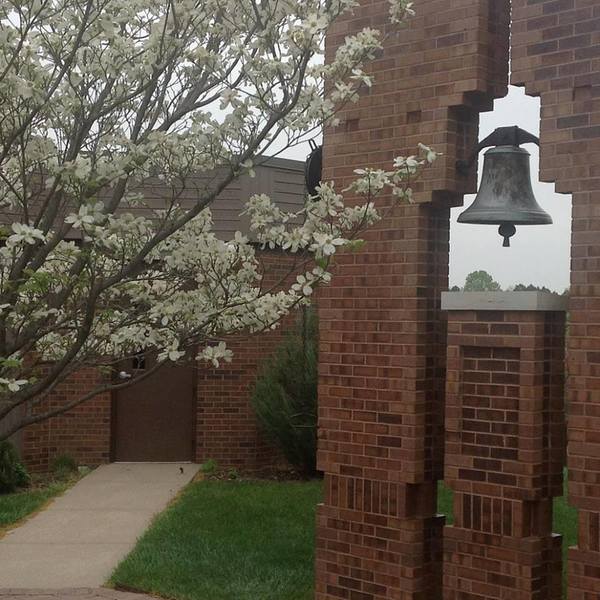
(531, 301)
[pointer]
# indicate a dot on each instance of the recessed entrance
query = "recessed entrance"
(153, 420)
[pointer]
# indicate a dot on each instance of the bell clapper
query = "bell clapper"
(507, 230)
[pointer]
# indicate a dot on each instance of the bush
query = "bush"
(12, 472)
(285, 396)
(64, 466)
(209, 468)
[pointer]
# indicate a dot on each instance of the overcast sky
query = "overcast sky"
(538, 254)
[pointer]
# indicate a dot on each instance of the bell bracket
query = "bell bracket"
(503, 136)
(313, 168)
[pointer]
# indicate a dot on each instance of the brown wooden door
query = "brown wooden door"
(154, 419)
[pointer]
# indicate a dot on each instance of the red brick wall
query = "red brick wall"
(83, 432)
(556, 55)
(226, 427)
(505, 448)
(382, 335)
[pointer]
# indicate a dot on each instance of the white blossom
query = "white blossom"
(430, 155)
(303, 285)
(88, 214)
(13, 385)
(172, 353)
(325, 245)
(400, 9)
(126, 124)
(216, 354)
(24, 234)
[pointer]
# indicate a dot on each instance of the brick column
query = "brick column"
(556, 56)
(505, 444)
(382, 349)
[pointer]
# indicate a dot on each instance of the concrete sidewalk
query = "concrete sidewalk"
(71, 594)
(82, 536)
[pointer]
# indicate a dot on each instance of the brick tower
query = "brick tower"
(383, 336)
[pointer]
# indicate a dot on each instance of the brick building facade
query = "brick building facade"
(215, 417)
(223, 428)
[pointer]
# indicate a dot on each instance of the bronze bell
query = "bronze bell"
(506, 197)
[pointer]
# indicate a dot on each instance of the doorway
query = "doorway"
(154, 419)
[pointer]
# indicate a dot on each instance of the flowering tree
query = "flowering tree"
(97, 96)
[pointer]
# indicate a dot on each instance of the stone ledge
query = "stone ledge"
(528, 301)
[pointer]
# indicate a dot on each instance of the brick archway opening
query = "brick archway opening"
(538, 255)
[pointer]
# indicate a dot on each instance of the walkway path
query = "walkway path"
(72, 594)
(81, 537)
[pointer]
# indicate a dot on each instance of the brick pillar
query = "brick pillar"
(505, 444)
(556, 56)
(382, 350)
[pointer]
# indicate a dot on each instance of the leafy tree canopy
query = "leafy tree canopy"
(481, 281)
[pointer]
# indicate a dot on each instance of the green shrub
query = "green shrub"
(64, 466)
(12, 472)
(285, 395)
(22, 475)
(209, 468)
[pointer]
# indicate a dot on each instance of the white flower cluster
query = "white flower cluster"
(88, 214)
(216, 354)
(13, 385)
(100, 99)
(373, 181)
(193, 286)
(24, 234)
(400, 10)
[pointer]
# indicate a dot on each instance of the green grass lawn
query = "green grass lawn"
(229, 540)
(224, 540)
(14, 507)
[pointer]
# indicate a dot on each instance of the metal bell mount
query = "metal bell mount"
(313, 168)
